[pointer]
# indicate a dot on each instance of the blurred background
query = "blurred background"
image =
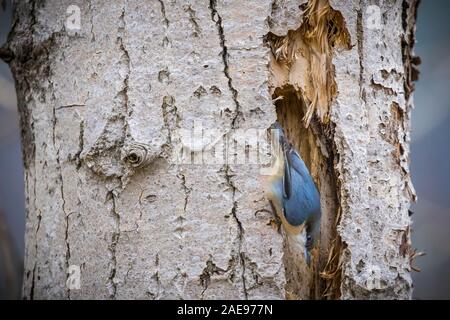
(430, 164)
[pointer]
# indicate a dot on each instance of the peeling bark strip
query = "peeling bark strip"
(303, 57)
(100, 111)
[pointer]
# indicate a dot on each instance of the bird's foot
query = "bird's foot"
(275, 222)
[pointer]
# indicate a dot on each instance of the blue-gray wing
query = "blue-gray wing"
(287, 178)
(304, 202)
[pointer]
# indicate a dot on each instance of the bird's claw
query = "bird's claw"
(275, 222)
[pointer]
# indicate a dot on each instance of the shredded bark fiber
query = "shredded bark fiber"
(303, 57)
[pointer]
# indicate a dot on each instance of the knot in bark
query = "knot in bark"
(137, 154)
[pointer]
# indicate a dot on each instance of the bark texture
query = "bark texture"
(101, 109)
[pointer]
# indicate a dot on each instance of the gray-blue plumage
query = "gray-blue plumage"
(295, 191)
(303, 201)
(300, 198)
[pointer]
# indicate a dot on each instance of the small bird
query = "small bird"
(293, 195)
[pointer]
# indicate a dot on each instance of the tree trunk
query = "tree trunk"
(102, 110)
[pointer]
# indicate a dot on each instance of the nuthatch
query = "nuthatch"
(293, 194)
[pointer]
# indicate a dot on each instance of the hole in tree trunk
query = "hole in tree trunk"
(303, 87)
(315, 148)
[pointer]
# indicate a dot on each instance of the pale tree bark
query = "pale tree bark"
(101, 109)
